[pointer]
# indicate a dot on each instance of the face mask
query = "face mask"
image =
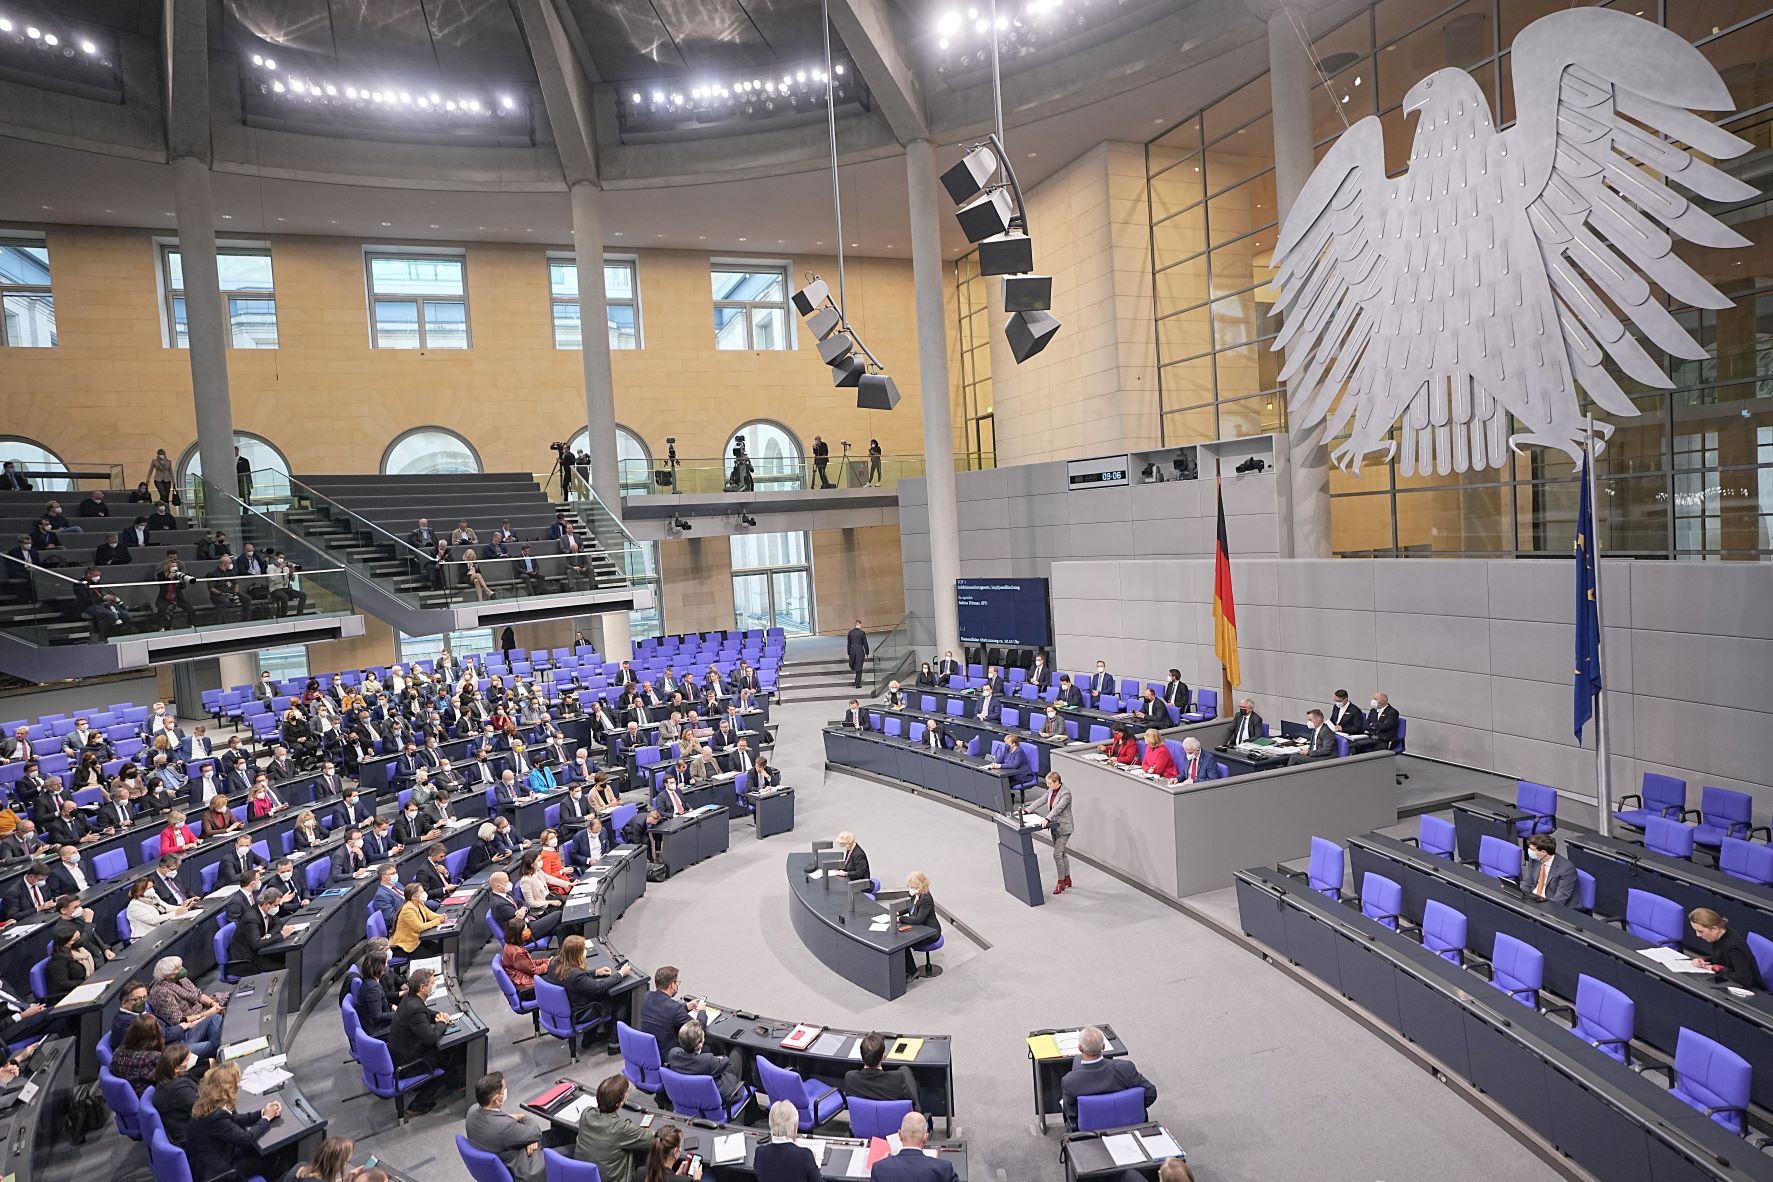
(1373, 703)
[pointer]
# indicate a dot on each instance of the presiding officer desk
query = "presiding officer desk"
(1612, 1121)
(836, 1051)
(1619, 866)
(838, 1157)
(1180, 839)
(1574, 944)
(951, 773)
(840, 938)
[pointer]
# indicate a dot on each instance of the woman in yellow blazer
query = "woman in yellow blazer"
(413, 920)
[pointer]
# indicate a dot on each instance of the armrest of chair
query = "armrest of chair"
(1754, 829)
(1691, 814)
(1415, 841)
(1667, 1069)
(1405, 923)
(815, 1101)
(1620, 804)
(1559, 1009)
(1481, 965)
(413, 1067)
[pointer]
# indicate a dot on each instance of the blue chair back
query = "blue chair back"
(975, 745)
(1664, 796)
(693, 1095)
(1746, 860)
(103, 1047)
(640, 1057)
(1443, 931)
(352, 1023)
(206, 877)
(1723, 812)
(559, 1168)
(1435, 836)
(876, 1118)
(1499, 858)
(318, 870)
(1761, 949)
(224, 936)
(1114, 1110)
(1327, 869)
(110, 864)
(1541, 802)
(894, 726)
(124, 932)
(619, 818)
(1518, 969)
(456, 862)
(1585, 891)
(1605, 1017)
(124, 1105)
(1711, 1077)
(1382, 900)
(1654, 918)
(167, 1160)
(1671, 838)
(149, 1115)
(779, 1083)
(375, 927)
(556, 1010)
(40, 979)
(509, 988)
(482, 1166)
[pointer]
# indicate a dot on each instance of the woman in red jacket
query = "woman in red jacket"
(1158, 761)
(175, 838)
(1121, 746)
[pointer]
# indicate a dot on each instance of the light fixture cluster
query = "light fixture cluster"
(992, 215)
(300, 86)
(759, 94)
(963, 35)
(841, 347)
(37, 36)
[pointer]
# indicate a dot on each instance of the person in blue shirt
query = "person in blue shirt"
(388, 898)
(1015, 761)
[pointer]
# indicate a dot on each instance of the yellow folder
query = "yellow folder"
(1043, 1046)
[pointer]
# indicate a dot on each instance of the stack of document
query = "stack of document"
(83, 994)
(262, 1075)
(894, 1145)
(1674, 959)
(1124, 1149)
(729, 1148)
(817, 1145)
(879, 923)
(1159, 1144)
(1067, 1041)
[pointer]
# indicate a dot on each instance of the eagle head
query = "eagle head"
(1448, 90)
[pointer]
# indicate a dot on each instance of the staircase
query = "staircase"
(823, 680)
(362, 523)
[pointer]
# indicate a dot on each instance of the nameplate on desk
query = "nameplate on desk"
(250, 1046)
(83, 994)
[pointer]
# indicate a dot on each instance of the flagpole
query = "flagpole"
(1603, 774)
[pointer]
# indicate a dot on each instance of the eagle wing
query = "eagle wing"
(1334, 267)
(1604, 127)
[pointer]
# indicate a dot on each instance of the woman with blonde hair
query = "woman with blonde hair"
(413, 920)
(218, 1139)
(471, 574)
(331, 1163)
(174, 838)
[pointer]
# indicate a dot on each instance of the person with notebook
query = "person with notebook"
(871, 1082)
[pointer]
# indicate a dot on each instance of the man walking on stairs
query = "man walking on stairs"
(858, 649)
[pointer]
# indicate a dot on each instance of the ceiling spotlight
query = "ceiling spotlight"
(406, 98)
(88, 47)
(747, 521)
(435, 99)
(331, 90)
(680, 524)
(949, 24)
(270, 63)
(838, 70)
(51, 39)
(33, 32)
(507, 102)
(278, 87)
(257, 59)
(658, 96)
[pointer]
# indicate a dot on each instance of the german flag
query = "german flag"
(1224, 607)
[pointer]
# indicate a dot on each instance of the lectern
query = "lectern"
(1015, 851)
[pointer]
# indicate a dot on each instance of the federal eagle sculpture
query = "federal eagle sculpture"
(1504, 270)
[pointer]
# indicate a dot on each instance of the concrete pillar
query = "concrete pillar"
(206, 324)
(1290, 77)
(932, 377)
(600, 385)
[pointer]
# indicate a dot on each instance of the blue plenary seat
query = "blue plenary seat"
(1499, 858)
(1761, 949)
(482, 1165)
(1517, 968)
(1654, 918)
(1662, 796)
(1444, 931)
(1382, 900)
(1747, 860)
(876, 1118)
(1712, 1078)
(1672, 838)
(1585, 891)
(1604, 1017)
(698, 1096)
(382, 1078)
(1327, 869)
(1537, 806)
(558, 1167)
(557, 1016)
(640, 1058)
(1723, 812)
(816, 1102)
(1435, 836)
(1113, 1110)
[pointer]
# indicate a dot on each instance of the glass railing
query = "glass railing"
(708, 474)
(264, 489)
(77, 477)
(612, 536)
(79, 603)
(465, 574)
(897, 654)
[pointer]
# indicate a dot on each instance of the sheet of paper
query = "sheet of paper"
(83, 994)
(1672, 958)
(817, 1145)
(434, 963)
(1032, 821)
(1067, 1041)
(290, 929)
(576, 1108)
(816, 874)
(1159, 1144)
(730, 1148)
(858, 1167)
(713, 1014)
(1123, 1149)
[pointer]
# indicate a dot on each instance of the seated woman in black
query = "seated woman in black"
(585, 987)
(69, 963)
(926, 675)
(175, 1092)
(378, 993)
(218, 1139)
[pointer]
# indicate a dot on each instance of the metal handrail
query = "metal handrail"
(891, 661)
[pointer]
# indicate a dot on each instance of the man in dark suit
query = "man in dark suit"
(1196, 765)
(1101, 682)
(688, 1058)
(948, 666)
(434, 874)
(111, 552)
(856, 643)
(1092, 1075)
(1345, 716)
(1320, 740)
(21, 845)
(1151, 710)
(257, 927)
(1545, 875)
(352, 809)
(1069, 694)
(911, 1164)
(871, 1083)
(68, 827)
(662, 1015)
(66, 875)
(935, 735)
(1176, 692)
(669, 802)
(414, 1038)
(1041, 676)
(1382, 722)
(30, 894)
(1247, 726)
(990, 707)
(852, 715)
(235, 864)
(994, 680)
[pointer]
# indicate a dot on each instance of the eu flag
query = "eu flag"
(1588, 618)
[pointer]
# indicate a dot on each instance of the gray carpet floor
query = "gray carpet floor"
(1258, 1078)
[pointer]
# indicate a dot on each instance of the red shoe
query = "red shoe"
(1068, 882)
(1059, 887)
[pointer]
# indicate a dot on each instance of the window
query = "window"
(777, 460)
(27, 309)
(773, 582)
(246, 286)
(28, 456)
(621, 290)
(643, 571)
(751, 307)
(286, 662)
(418, 301)
(269, 480)
(474, 643)
(632, 459)
(429, 451)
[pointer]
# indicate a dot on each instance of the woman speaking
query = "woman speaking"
(1058, 823)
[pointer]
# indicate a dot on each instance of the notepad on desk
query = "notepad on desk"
(729, 1148)
(905, 1050)
(1124, 1149)
(576, 1107)
(1067, 1041)
(249, 1046)
(828, 1044)
(83, 994)
(434, 963)
(1159, 1144)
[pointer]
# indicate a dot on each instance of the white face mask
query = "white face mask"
(1373, 703)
